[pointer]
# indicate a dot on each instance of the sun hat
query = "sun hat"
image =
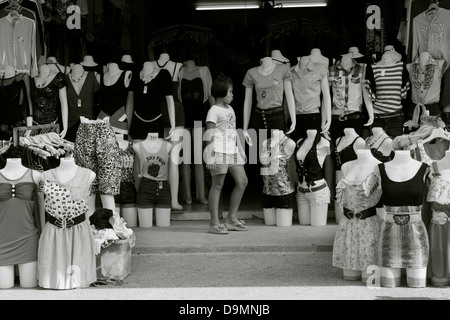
(88, 61)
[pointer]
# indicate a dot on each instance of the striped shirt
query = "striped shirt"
(387, 85)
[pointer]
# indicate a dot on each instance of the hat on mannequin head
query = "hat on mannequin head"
(88, 61)
(278, 58)
(354, 53)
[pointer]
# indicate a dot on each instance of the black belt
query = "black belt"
(369, 213)
(310, 190)
(352, 116)
(389, 115)
(66, 224)
(269, 111)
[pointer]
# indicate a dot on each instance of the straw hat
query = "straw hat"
(354, 53)
(277, 57)
(127, 59)
(88, 61)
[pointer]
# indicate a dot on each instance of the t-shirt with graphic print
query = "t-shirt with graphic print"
(225, 135)
(269, 89)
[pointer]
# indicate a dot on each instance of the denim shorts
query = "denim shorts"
(392, 124)
(223, 162)
(153, 194)
(306, 122)
(278, 202)
(317, 198)
(337, 127)
(273, 119)
(127, 196)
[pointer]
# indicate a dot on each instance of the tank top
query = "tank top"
(10, 91)
(310, 170)
(86, 97)
(113, 97)
(406, 193)
(154, 165)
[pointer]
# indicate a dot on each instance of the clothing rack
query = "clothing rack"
(33, 131)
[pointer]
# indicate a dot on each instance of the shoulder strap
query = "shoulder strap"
(435, 169)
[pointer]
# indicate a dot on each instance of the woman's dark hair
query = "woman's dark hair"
(220, 86)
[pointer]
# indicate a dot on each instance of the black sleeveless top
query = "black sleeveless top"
(113, 98)
(345, 155)
(86, 97)
(10, 92)
(310, 170)
(403, 194)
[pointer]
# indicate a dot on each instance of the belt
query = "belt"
(351, 116)
(440, 218)
(66, 224)
(369, 213)
(403, 219)
(269, 111)
(389, 115)
(310, 190)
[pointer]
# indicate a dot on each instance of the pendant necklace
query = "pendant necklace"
(79, 79)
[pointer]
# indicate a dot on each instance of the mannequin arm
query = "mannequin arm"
(291, 104)
(247, 113)
(64, 111)
(29, 120)
(326, 105)
(171, 108)
(130, 108)
(369, 107)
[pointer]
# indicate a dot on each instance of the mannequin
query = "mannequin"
(126, 200)
(164, 62)
(12, 93)
(278, 58)
(52, 62)
(89, 64)
(117, 101)
(380, 144)
(152, 166)
(49, 98)
(395, 56)
(358, 232)
(403, 186)
(346, 148)
(269, 113)
(278, 193)
(15, 211)
(81, 89)
(313, 196)
(195, 94)
(438, 197)
(68, 184)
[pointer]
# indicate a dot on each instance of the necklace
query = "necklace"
(373, 144)
(165, 64)
(79, 79)
(44, 82)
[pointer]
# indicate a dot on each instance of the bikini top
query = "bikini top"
(21, 189)
(345, 155)
(310, 170)
(379, 155)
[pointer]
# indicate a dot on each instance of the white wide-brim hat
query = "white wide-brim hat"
(88, 61)
(354, 53)
(127, 59)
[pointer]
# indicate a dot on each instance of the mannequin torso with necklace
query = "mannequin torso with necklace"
(380, 144)
(347, 146)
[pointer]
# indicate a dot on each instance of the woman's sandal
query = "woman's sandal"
(236, 226)
(220, 230)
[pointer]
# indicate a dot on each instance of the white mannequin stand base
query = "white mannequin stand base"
(27, 273)
(338, 209)
(316, 216)
(416, 278)
(353, 275)
(130, 216)
(278, 217)
(162, 217)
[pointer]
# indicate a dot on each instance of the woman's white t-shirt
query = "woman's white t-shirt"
(225, 135)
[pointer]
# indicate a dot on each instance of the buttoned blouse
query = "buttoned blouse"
(307, 87)
(269, 89)
(426, 84)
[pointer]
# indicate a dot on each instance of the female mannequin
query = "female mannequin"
(358, 233)
(195, 93)
(12, 92)
(272, 83)
(117, 101)
(56, 67)
(49, 98)
(380, 144)
(310, 83)
(164, 62)
(18, 226)
(403, 238)
(439, 199)
(346, 148)
(126, 200)
(67, 247)
(278, 58)
(81, 89)
(349, 95)
(313, 194)
(152, 163)
(278, 193)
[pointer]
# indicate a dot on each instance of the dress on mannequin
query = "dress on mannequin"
(404, 239)
(358, 233)
(19, 235)
(67, 247)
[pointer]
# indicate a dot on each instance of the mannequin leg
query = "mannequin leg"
(108, 202)
(319, 215)
(6, 277)
(391, 278)
(162, 217)
(199, 166)
(130, 216)
(338, 209)
(174, 170)
(145, 217)
(416, 278)
(304, 214)
(187, 160)
(284, 217)
(270, 217)
(352, 275)
(28, 275)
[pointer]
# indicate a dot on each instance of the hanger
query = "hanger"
(433, 7)
(438, 133)
(13, 9)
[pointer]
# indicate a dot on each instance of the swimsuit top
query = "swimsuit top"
(345, 155)
(310, 170)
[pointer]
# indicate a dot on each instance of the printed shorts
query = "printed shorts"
(96, 148)
(316, 198)
(153, 194)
